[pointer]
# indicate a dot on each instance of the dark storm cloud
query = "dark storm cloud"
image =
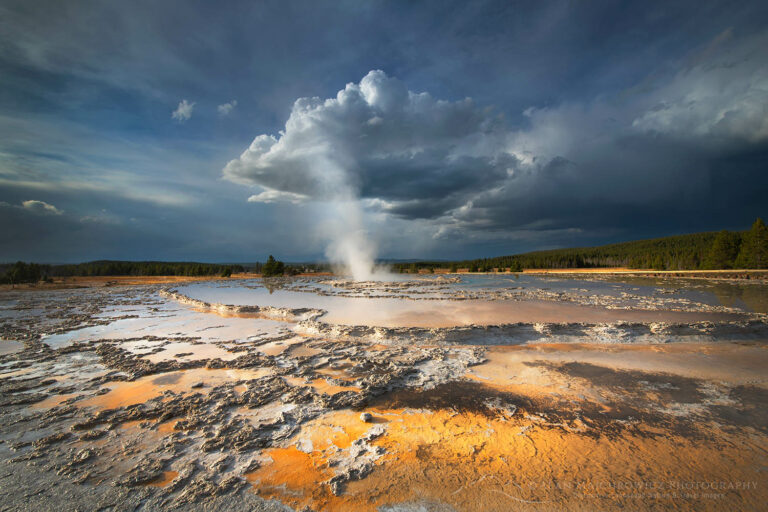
(386, 142)
(603, 164)
(589, 122)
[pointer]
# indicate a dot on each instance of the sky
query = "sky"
(225, 132)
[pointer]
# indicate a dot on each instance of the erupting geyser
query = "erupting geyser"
(350, 248)
(375, 145)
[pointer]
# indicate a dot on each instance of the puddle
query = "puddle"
(337, 373)
(169, 322)
(16, 373)
(303, 350)
(512, 365)
(167, 478)
(167, 427)
(275, 348)
(321, 385)
(10, 347)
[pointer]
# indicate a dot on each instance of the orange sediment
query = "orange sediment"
(167, 478)
(123, 394)
(559, 449)
(53, 401)
(472, 462)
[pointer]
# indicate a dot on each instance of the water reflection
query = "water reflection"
(383, 304)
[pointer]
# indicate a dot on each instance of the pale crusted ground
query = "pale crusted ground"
(122, 398)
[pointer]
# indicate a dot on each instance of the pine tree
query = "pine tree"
(273, 267)
(724, 250)
(754, 247)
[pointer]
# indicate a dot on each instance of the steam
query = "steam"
(349, 247)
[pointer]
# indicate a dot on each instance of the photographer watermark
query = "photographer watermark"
(646, 489)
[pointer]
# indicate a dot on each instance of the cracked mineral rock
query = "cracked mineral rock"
(195, 397)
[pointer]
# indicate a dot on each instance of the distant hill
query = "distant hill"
(696, 251)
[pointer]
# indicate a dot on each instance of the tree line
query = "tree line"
(697, 251)
(21, 272)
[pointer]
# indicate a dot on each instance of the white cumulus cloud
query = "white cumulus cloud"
(40, 207)
(226, 108)
(276, 196)
(378, 139)
(184, 111)
(724, 95)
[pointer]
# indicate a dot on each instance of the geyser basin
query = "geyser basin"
(156, 398)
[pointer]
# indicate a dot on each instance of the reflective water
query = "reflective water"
(168, 322)
(10, 346)
(444, 304)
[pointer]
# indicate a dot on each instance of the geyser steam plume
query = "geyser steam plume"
(349, 248)
(314, 164)
(376, 145)
(349, 245)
